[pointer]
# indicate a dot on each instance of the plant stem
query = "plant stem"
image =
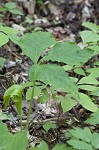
(19, 108)
(30, 107)
(21, 116)
(21, 122)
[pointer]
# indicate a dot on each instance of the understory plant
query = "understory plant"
(11, 7)
(5, 34)
(53, 69)
(83, 139)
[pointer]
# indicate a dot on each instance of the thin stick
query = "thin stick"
(9, 49)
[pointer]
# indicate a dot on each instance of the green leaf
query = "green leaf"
(34, 148)
(48, 126)
(0, 24)
(80, 144)
(95, 48)
(88, 80)
(14, 92)
(28, 20)
(95, 140)
(34, 72)
(5, 136)
(97, 63)
(34, 44)
(3, 9)
(15, 11)
(27, 84)
(69, 53)
(8, 30)
(68, 103)
(15, 39)
(3, 39)
(19, 141)
(1, 15)
(87, 103)
(44, 97)
(8, 141)
(91, 26)
(10, 33)
(83, 134)
(94, 72)
(57, 97)
(4, 116)
(10, 5)
(87, 135)
(18, 103)
(94, 119)
(95, 92)
(67, 67)
(2, 60)
(37, 91)
(79, 71)
(87, 87)
(54, 75)
(43, 146)
(89, 36)
(62, 147)
(74, 79)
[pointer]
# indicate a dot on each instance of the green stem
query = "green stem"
(30, 107)
(21, 116)
(19, 108)
(21, 122)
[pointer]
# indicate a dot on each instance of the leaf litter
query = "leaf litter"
(65, 24)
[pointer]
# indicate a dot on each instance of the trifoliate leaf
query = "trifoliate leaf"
(53, 75)
(82, 134)
(34, 44)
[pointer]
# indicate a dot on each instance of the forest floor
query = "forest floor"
(65, 23)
